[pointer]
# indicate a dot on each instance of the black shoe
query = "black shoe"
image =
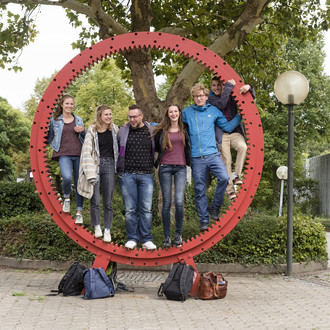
(204, 226)
(167, 242)
(177, 240)
(214, 213)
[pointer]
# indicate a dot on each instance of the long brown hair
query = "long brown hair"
(98, 121)
(165, 127)
(59, 107)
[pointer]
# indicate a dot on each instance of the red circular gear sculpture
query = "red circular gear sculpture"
(105, 252)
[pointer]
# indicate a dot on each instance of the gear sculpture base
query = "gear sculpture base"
(105, 252)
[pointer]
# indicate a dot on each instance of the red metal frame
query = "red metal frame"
(105, 252)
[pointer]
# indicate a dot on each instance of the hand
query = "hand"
(244, 89)
(79, 129)
(232, 81)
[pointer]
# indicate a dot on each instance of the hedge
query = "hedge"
(257, 239)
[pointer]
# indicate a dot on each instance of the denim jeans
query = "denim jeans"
(67, 165)
(200, 168)
(166, 173)
(106, 181)
(137, 190)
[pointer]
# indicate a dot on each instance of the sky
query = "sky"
(51, 51)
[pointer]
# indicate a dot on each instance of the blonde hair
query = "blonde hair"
(199, 88)
(98, 121)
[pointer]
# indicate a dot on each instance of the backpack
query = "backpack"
(72, 282)
(178, 283)
(97, 284)
(112, 273)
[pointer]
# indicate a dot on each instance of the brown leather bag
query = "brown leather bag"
(212, 286)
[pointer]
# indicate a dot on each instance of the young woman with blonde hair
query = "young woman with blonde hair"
(98, 167)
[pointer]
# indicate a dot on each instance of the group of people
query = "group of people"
(192, 137)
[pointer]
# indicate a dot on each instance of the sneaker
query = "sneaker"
(107, 236)
(167, 242)
(232, 196)
(149, 245)
(98, 231)
(66, 205)
(204, 226)
(130, 245)
(79, 218)
(177, 240)
(237, 181)
(214, 213)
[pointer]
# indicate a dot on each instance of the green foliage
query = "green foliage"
(101, 85)
(261, 239)
(38, 237)
(14, 138)
(15, 33)
(257, 239)
(312, 122)
(30, 106)
(325, 222)
(18, 198)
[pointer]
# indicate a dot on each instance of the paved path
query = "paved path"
(252, 302)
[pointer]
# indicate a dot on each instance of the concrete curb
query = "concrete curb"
(297, 268)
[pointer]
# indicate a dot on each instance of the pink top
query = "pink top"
(176, 155)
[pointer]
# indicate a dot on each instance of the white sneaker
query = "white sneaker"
(107, 236)
(149, 245)
(130, 245)
(66, 205)
(98, 231)
(79, 219)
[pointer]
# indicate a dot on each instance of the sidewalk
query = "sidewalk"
(252, 302)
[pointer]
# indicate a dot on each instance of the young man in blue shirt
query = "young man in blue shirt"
(201, 119)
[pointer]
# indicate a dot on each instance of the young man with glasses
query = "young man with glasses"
(134, 168)
(201, 119)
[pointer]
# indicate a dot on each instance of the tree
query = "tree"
(14, 138)
(311, 118)
(229, 28)
(102, 85)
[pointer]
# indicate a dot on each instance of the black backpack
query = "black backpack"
(178, 283)
(72, 283)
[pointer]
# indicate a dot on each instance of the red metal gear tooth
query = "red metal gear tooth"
(110, 251)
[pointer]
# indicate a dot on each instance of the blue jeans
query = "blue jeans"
(107, 182)
(67, 165)
(200, 167)
(179, 173)
(137, 190)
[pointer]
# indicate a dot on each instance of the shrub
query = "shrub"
(261, 239)
(18, 198)
(38, 237)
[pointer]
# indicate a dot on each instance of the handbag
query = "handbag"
(212, 286)
(97, 284)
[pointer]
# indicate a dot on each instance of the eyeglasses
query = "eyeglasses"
(133, 117)
(199, 96)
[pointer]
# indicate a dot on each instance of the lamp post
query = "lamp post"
(282, 174)
(291, 88)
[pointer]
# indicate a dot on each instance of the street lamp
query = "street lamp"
(282, 174)
(291, 88)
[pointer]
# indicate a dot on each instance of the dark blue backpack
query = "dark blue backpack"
(97, 284)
